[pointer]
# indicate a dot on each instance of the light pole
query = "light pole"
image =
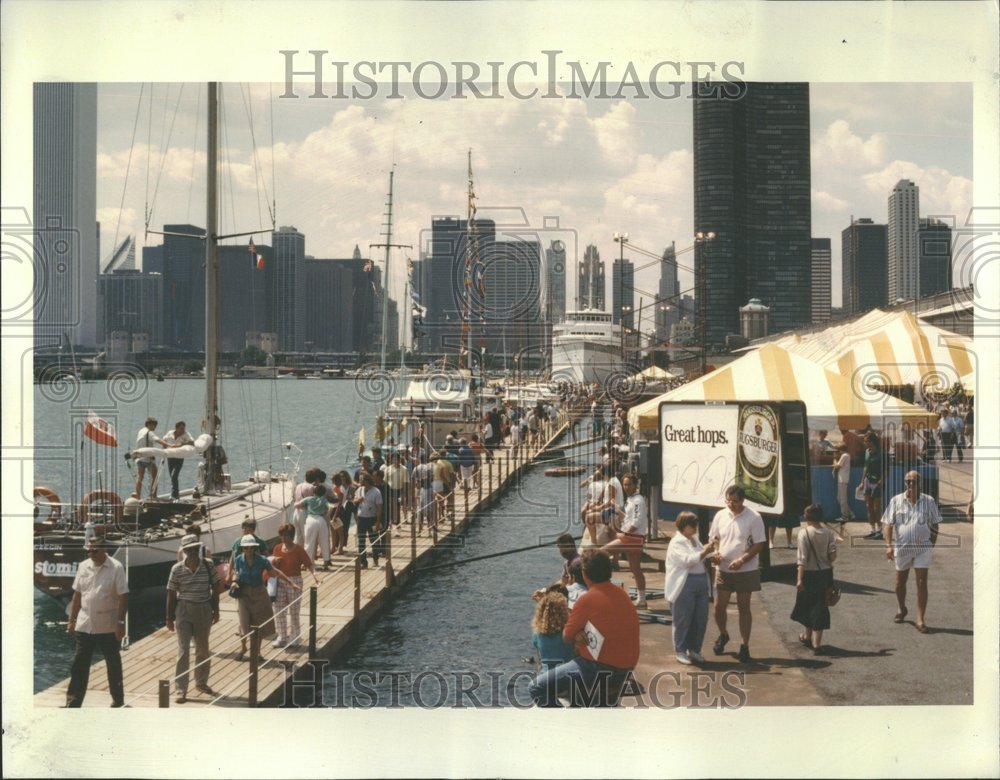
(622, 239)
(699, 257)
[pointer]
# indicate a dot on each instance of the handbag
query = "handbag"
(831, 594)
(234, 590)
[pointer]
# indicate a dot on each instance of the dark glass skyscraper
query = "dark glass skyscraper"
(934, 257)
(864, 255)
(752, 190)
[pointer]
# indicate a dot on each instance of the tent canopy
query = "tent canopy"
(775, 374)
(653, 373)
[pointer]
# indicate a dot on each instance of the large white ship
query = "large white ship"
(586, 347)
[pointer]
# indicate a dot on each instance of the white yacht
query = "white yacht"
(586, 347)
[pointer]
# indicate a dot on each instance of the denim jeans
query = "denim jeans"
(584, 682)
(366, 528)
(174, 466)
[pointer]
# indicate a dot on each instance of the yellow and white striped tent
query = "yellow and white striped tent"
(652, 374)
(889, 349)
(775, 374)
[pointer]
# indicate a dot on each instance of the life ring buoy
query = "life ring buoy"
(103, 497)
(51, 497)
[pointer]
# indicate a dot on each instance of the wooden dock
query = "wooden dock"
(347, 598)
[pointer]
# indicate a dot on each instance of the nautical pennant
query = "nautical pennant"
(100, 431)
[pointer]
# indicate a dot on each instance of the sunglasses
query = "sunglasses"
(910, 481)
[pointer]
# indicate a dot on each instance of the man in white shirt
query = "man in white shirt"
(910, 525)
(146, 438)
(97, 619)
(178, 437)
(740, 536)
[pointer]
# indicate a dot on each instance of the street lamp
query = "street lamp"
(622, 239)
(701, 238)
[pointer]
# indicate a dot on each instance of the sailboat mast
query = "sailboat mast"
(467, 322)
(385, 280)
(211, 282)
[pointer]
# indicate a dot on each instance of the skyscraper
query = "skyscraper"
(330, 303)
(555, 281)
(591, 280)
(288, 288)
(821, 280)
(934, 257)
(182, 261)
(863, 266)
(65, 213)
(904, 217)
(668, 303)
(623, 285)
(752, 190)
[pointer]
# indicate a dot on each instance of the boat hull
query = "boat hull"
(150, 553)
(586, 361)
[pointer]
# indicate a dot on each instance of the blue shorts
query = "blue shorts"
(608, 515)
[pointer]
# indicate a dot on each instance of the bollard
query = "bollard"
(313, 590)
(254, 666)
(164, 693)
(357, 588)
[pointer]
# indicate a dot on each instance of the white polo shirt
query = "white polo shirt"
(99, 588)
(737, 534)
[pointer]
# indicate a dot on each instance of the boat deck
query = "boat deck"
(347, 599)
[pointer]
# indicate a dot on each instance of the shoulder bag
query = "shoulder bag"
(832, 593)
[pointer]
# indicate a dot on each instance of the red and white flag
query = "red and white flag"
(254, 257)
(100, 431)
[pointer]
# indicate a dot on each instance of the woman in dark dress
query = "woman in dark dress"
(817, 550)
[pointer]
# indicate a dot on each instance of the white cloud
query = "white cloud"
(824, 201)
(838, 146)
(616, 133)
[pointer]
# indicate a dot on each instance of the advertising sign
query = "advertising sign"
(708, 447)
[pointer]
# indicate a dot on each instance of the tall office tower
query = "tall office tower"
(904, 220)
(64, 219)
(623, 286)
(330, 303)
(243, 295)
(288, 291)
(591, 281)
(752, 191)
(934, 257)
(182, 263)
(130, 302)
(511, 286)
(821, 279)
(555, 281)
(864, 257)
(667, 303)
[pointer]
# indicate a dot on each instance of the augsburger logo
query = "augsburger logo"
(496, 80)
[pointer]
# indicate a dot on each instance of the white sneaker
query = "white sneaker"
(279, 642)
(684, 658)
(695, 656)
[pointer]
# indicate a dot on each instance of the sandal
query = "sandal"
(922, 628)
(900, 616)
(805, 642)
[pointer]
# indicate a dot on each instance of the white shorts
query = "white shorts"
(438, 486)
(914, 557)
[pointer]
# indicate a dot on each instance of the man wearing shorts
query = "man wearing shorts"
(740, 534)
(910, 525)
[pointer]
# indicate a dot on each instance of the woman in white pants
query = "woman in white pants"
(842, 473)
(317, 529)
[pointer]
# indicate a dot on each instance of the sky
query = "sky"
(598, 166)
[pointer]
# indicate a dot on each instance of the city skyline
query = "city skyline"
(331, 164)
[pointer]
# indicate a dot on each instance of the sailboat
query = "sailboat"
(145, 535)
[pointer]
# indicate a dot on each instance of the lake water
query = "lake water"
(468, 618)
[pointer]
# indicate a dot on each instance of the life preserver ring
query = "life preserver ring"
(51, 497)
(104, 497)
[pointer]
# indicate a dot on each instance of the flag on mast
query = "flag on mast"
(100, 431)
(254, 257)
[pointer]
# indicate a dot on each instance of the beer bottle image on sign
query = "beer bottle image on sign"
(757, 454)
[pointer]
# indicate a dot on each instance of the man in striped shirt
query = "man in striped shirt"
(191, 590)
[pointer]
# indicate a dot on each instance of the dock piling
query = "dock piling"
(164, 693)
(313, 596)
(254, 666)
(357, 589)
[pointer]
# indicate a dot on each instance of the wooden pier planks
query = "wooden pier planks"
(154, 657)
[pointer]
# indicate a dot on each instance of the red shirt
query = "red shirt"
(608, 609)
(292, 562)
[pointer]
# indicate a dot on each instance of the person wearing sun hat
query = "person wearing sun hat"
(191, 592)
(254, 604)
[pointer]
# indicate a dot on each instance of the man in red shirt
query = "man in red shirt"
(605, 628)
